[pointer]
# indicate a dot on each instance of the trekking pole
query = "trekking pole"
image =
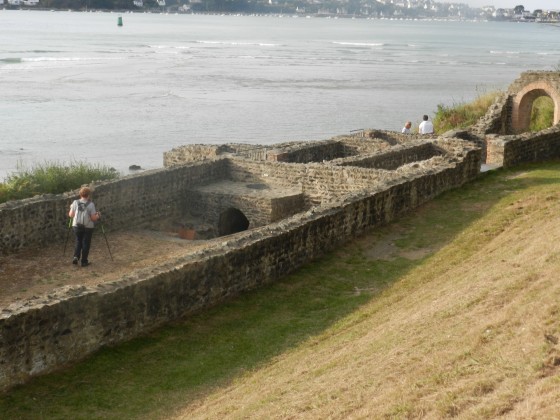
(67, 235)
(106, 241)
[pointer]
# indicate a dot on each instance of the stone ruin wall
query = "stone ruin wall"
(72, 322)
(131, 201)
(513, 150)
(319, 183)
(259, 210)
(494, 132)
(139, 199)
(495, 119)
(414, 151)
(295, 152)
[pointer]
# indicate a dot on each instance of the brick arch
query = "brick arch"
(523, 104)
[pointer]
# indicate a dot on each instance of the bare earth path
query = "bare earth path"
(34, 272)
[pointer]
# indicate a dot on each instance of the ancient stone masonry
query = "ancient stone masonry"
(295, 211)
(131, 201)
(525, 90)
(503, 132)
(279, 207)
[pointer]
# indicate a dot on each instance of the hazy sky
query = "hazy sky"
(510, 4)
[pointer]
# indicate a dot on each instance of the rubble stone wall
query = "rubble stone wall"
(396, 157)
(319, 183)
(498, 132)
(530, 147)
(311, 152)
(40, 335)
(197, 152)
(130, 201)
(259, 210)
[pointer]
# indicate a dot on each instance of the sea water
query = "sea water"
(75, 86)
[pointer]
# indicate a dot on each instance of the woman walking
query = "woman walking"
(83, 214)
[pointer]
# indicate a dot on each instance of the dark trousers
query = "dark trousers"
(83, 242)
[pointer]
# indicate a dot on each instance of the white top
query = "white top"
(90, 209)
(405, 130)
(426, 127)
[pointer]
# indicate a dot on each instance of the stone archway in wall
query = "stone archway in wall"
(232, 221)
(523, 104)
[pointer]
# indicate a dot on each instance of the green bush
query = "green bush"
(3, 193)
(52, 178)
(462, 115)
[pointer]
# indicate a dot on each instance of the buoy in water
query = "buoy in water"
(119, 21)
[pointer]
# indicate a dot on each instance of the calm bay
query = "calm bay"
(75, 86)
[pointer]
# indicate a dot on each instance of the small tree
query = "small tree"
(518, 10)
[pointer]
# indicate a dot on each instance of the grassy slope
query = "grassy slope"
(459, 318)
(462, 115)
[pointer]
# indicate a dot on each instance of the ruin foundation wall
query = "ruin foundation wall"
(513, 150)
(40, 335)
(127, 202)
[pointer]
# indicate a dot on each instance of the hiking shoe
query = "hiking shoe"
(75, 261)
(85, 263)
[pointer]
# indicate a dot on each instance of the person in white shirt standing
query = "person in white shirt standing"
(426, 127)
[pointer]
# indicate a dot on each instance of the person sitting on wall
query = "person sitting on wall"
(426, 127)
(406, 128)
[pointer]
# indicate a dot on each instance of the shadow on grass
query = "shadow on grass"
(151, 376)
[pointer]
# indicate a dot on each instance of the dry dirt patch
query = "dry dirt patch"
(38, 271)
(384, 247)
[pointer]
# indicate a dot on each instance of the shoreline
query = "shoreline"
(282, 15)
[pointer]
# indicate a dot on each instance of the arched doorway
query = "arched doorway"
(232, 221)
(523, 105)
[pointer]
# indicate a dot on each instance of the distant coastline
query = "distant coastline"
(287, 14)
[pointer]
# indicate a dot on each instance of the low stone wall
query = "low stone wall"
(396, 157)
(200, 152)
(495, 132)
(354, 145)
(494, 150)
(528, 147)
(130, 201)
(41, 335)
(371, 141)
(261, 207)
(340, 147)
(138, 199)
(317, 151)
(495, 119)
(323, 183)
(319, 183)
(508, 151)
